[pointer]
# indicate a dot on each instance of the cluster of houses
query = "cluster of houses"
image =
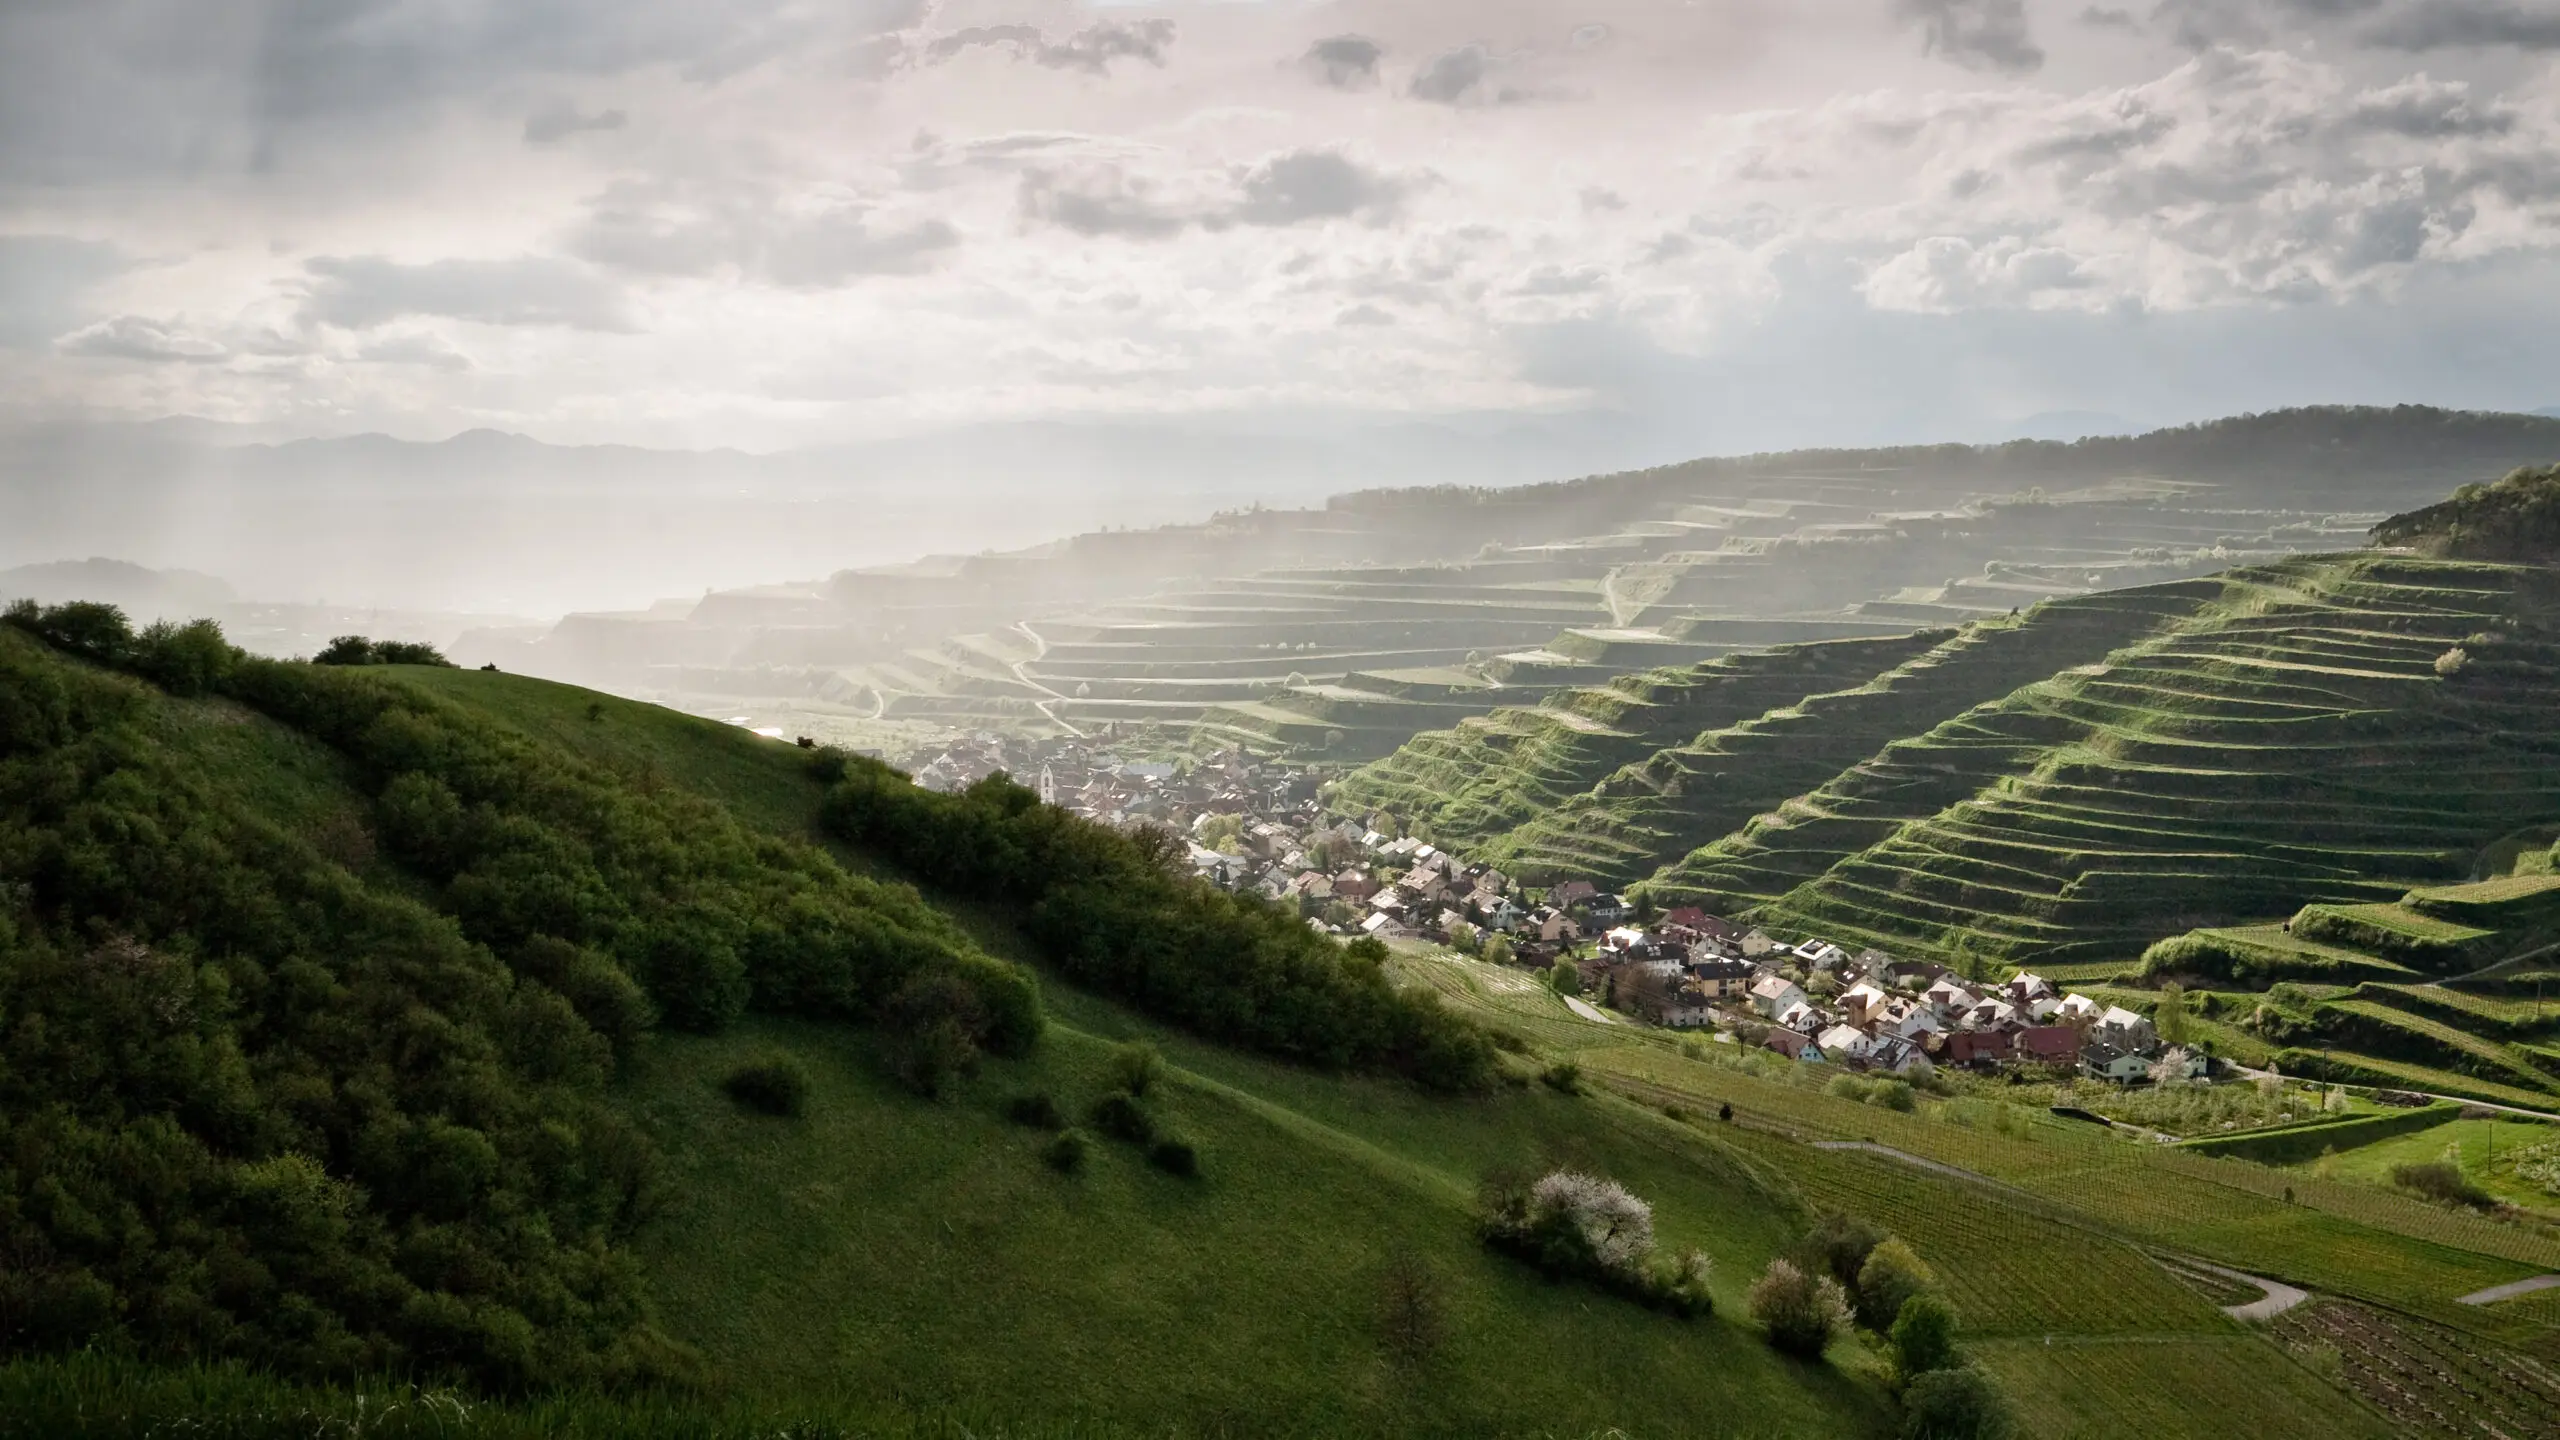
(1816, 1002)
(1258, 826)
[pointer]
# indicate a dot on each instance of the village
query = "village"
(1259, 826)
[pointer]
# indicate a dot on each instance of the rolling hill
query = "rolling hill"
(1341, 632)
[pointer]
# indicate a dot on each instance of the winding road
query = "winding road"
(1024, 675)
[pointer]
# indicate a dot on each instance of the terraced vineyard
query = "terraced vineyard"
(2446, 994)
(1343, 632)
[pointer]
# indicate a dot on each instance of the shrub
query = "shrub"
(1958, 1404)
(1135, 1067)
(1174, 1155)
(1680, 1285)
(346, 650)
(1564, 1077)
(1122, 1118)
(1412, 1312)
(1837, 1246)
(1923, 1337)
(1065, 1152)
(1036, 1110)
(1801, 1310)
(1575, 1225)
(2444, 1182)
(774, 1084)
(2453, 662)
(931, 1027)
(1565, 978)
(1888, 1280)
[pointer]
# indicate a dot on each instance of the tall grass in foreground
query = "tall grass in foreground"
(88, 1395)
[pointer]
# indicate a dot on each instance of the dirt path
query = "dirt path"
(2279, 1296)
(2509, 1291)
(1589, 1012)
(1045, 707)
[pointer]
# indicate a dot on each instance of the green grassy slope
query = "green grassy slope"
(886, 1256)
(1648, 814)
(1470, 784)
(2292, 742)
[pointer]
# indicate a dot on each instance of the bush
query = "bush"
(1564, 1077)
(1959, 1404)
(2444, 1182)
(1837, 1246)
(1036, 1110)
(774, 1084)
(1565, 978)
(1801, 1310)
(1065, 1152)
(1923, 1337)
(932, 1027)
(1122, 1118)
(1888, 1280)
(1174, 1155)
(1135, 1067)
(1574, 1225)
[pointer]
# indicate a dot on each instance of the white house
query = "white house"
(2026, 986)
(1756, 943)
(1897, 1055)
(2126, 1029)
(1918, 1023)
(1822, 955)
(1774, 995)
(1845, 1042)
(1802, 1018)
(1865, 1002)
(1948, 997)
(2077, 1007)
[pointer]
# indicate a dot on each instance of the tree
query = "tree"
(1923, 1337)
(1838, 1246)
(2170, 1020)
(1801, 1310)
(1891, 1276)
(1565, 978)
(1960, 1404)
(1136, 1067)
(1412, 1313)
(1497, 948)
(1463, 938)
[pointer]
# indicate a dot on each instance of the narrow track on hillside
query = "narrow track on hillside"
(2509, 1291)
(1045, 707)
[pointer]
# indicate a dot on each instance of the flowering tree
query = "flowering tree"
(1612, 1224)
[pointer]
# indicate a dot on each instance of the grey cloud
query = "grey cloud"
(363, 291)
(105, 89)
(2100, 17)
(555, 123)
(1345, 62)
(1296, 188)
(659, 231)
(1597, 198)
(135, 337)
(42, 278)
(1452, 78)
(1316, 185)
(1976, 34)
(2450, 24)
(2422, 110)
(1091, 49)
(1364, 314)
(1100, 200)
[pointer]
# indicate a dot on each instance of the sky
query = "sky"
(1730, 224)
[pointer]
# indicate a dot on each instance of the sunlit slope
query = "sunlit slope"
(1470, 784)
(2308, 735)
(1650, 813)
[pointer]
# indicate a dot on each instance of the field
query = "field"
(2485, 1149)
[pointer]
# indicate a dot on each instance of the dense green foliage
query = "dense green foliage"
(2514, 519)
(253, 1107)
(259, 1100)
(357, 650)
(774, 1084)
(1111, 910)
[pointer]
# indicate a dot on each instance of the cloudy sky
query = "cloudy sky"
(768, 223)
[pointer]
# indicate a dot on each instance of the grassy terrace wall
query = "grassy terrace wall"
(1649, 814)
(2293, 1144)
(2291, 742)
(1488, 775)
